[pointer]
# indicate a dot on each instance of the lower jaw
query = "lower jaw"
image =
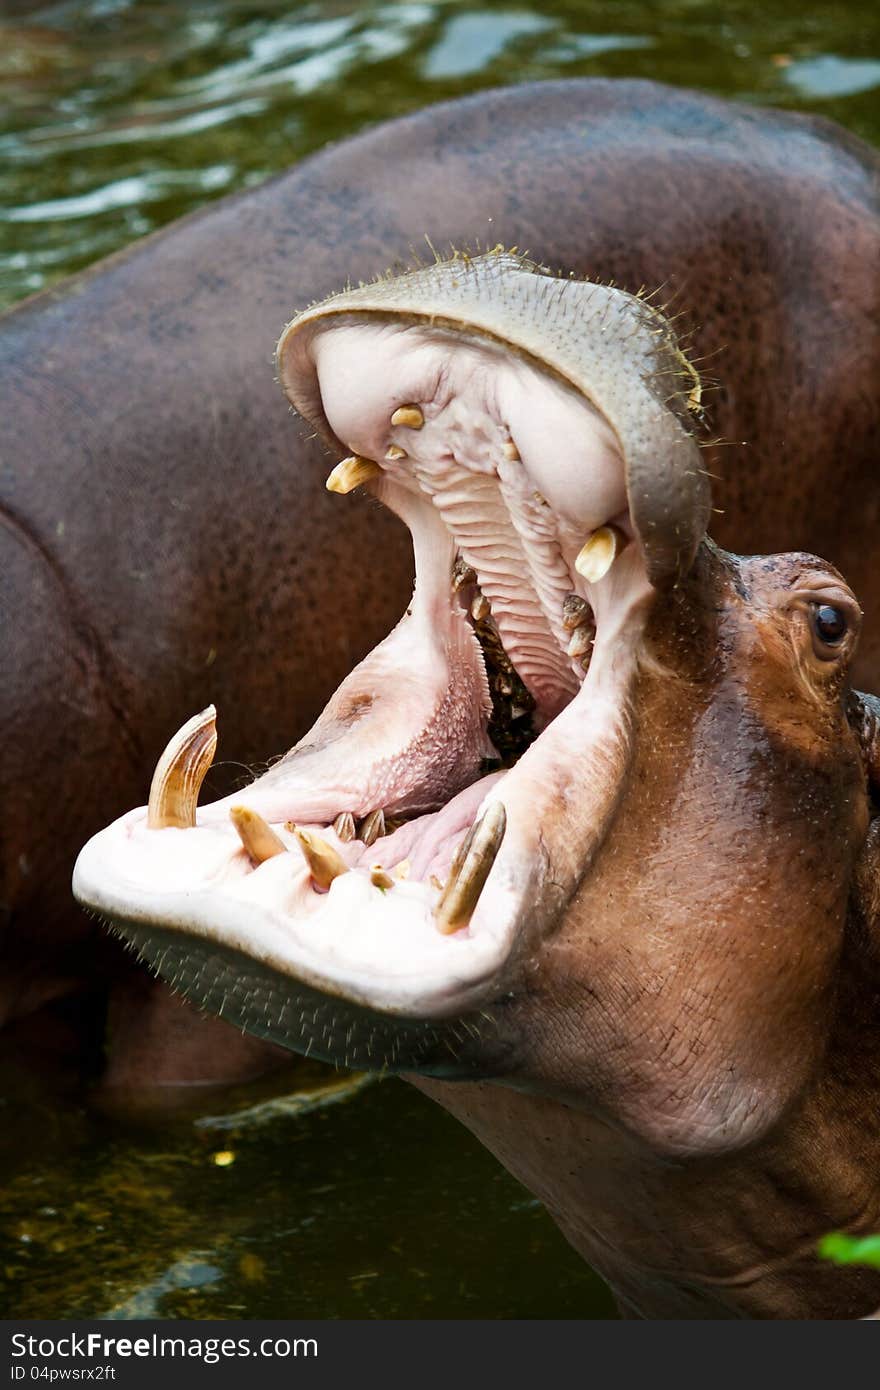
(447, 1016)
(360, 975)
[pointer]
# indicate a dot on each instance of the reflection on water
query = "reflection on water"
(829, 76)
(298, 1205)
(117, 116)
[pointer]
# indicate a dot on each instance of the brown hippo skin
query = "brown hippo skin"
(640, 959)
(694, 1195)
(167, 537)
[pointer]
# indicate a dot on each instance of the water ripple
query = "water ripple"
(116, 117)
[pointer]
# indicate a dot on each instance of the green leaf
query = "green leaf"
(850, 1250)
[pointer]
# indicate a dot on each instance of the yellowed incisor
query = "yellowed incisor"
(351, 473)
(257, 836)
(325, 863)
(598, 553)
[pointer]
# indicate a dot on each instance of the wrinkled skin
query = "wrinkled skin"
(698, 1100)
(137, 405)
(685, 1070)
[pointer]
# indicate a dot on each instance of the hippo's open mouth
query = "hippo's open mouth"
(435, 822)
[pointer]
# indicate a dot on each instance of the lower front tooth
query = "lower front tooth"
(258, 838)
(325, 863)
(351, 473)
(372, 827)
(380, 879)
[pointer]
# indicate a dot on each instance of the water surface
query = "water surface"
(347, 1198)
(117, 116)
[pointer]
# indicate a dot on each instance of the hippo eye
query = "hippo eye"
(830, 624)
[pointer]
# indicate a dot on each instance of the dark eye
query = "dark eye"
(830, 624)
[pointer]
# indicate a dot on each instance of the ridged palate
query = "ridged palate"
(521, 571)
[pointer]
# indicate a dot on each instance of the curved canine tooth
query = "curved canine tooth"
(598, 553)
(408, 415)
(379, 878)
(351, 472)
(257, 836)
(325, 863)
(394, 452)
(581, 642)
(180, 772)
(372, 827)
(470, 869)
(344, 826)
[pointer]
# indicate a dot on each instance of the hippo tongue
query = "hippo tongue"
(487, 456)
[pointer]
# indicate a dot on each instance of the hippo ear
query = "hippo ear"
(864, 716)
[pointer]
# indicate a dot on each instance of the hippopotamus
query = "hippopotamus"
(585, 845)
(149, 461)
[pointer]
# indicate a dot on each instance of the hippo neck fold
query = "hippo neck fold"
(728, 1236)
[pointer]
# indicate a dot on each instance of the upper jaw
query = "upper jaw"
(614, 350)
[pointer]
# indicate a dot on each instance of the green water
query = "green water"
(117, 116)
(352, 1198)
